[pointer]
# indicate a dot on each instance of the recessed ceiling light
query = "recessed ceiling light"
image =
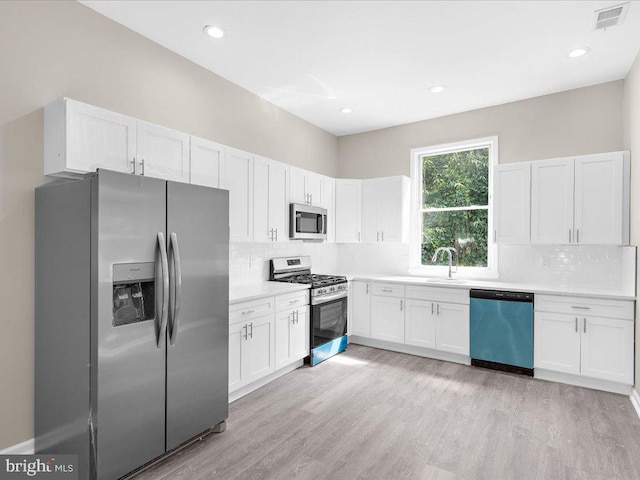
(437, 89)
(346, 110)
(213, 31)
(579, 52)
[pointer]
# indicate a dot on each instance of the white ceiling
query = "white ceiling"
(380, 57)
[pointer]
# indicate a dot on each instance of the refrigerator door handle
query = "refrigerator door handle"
(165, 289)
(175, 299)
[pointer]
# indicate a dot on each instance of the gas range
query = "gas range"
(324, 288)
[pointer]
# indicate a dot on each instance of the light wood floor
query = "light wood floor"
(373, 414)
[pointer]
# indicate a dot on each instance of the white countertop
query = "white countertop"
(494, 285)
(243, 293)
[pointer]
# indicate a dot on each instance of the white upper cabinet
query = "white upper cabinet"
(348, 210)
(79, 138)
(582, 200)
(330, 204)
(552, 201)
(602, 199)
(385, 203)
(207, 160)
(512, 203)
(238, 179)
(270, 201)
(162, 153)
(306, 187)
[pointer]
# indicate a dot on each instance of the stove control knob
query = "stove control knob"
(321, 291)
(332, 289)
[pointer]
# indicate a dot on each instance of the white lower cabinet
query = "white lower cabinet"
(251, 353)
(291, 336)
(360, 301)
(581, 343)
(387, 318)
(437, 325)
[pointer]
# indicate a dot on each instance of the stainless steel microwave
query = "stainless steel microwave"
(307, 222)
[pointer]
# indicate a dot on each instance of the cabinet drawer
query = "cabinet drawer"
(388, 289)
(582, 306)
(435, 294)
(240, 312)
(292, 300)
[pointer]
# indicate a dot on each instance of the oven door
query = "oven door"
(328, 321)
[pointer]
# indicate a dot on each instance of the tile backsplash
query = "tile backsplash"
(249, 262)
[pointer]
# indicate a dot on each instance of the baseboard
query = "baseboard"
(24, 448)
(635, 400)
(410, 349)
(579, 381)
(247, 389)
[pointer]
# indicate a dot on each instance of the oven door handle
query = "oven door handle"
(328, 298)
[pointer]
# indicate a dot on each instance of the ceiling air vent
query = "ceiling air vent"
(610, 16)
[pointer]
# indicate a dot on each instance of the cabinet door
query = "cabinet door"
(556, 342)
(452, 328)
(207, 160)
(236, 365)
(162, 153)
(360, 300)
(261, 221)
(387, 319)
(315, 189)
(238, 179)
(299, 338)
(258, 353)
(282, 338)
(599, 200)
(372, 203)
(512, 203)
(297, 186)
(348, 210)
(96, 138)
(279, 201)
(330, 205)
(552, 202)
(420, 324)
(607, 349)
(394, 218)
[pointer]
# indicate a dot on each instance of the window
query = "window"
(451, 204)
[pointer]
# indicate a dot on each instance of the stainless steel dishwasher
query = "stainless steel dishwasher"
(501, 330)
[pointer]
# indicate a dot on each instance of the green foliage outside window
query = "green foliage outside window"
(455, 197)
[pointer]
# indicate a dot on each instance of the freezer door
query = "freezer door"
(198, 326)
(128, 373)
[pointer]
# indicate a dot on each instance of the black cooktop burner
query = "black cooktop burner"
(315, 280)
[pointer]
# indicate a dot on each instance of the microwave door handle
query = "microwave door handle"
(324, 226)
(177, 298)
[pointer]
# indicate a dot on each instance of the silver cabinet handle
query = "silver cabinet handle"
(401, 304)
(388, 290)
(142, 167)
(382, 235)
(437, 309)
(576, 324)
(580, 308)
(367, 289)
(251, 330)
(133, 163)
(584, 322)
(377, 236)
(431, 308)
(164, 306)
(294, 301)
(247, 312)
(495, 236)
(297, 316)
(358, 236)
(276, 234)
(175, 294)
(569, 235)
(271, 234)
(246, 330)
(578, 235)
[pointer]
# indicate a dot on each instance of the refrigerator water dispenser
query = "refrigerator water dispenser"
(133, 293)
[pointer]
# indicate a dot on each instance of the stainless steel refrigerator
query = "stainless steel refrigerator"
(131, 309)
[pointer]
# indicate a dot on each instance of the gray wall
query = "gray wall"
(632, 143)
(582, 121)
(49, 49)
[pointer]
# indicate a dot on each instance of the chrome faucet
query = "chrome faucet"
(450, 251)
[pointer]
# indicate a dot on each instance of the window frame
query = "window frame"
(415, 240)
